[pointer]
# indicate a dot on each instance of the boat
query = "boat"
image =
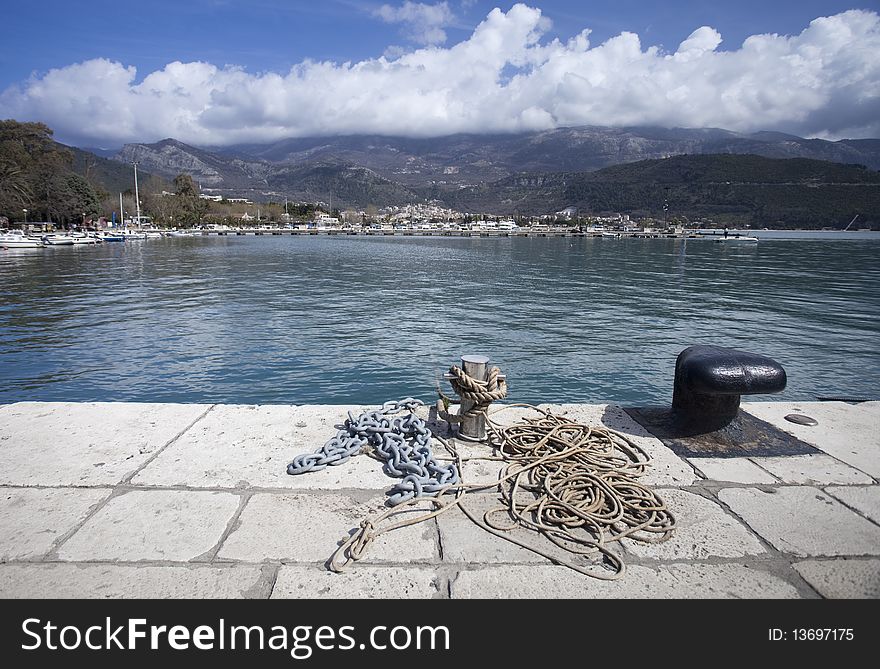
(106, 236)
(737, 238)
(153, 235)
(16, 239)
(57, 240)
(80, 239)
(128, 233)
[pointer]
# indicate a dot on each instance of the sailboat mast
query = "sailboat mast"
(851, 222)
(121, 213)
(137, 199)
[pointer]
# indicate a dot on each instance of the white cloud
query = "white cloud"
(424, 23)
(504, 77)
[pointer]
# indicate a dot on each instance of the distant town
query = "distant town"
(220, 214)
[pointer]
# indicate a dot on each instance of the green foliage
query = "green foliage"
(302, 210)
(15, 188)
(111, 177)
(724, 188)
(71, 196)
(36, 174)
(184, 186)
(738, 189)
(189, 207)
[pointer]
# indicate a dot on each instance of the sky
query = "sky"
(220, 72)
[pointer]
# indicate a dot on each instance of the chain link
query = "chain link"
(403, 442)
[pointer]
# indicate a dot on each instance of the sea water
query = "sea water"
(338, 319)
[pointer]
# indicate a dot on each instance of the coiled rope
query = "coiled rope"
(573, 484)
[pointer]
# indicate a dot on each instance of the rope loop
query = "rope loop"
(481, 393)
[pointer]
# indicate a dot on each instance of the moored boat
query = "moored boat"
(16, 239)
(106, 236)
(79, 239)
(737, 238)
(57, 240)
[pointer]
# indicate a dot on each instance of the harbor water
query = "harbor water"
(366, 319)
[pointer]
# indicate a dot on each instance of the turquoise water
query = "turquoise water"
(363, 320)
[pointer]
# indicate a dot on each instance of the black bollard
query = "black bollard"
(705, 418)
(709, 381)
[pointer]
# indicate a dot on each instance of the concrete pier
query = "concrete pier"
(162, 500)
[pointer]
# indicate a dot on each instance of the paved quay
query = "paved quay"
(193, 501)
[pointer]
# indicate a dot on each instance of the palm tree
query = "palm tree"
(15, 191)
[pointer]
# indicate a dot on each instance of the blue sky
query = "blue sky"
(99, 71)
(276, 34)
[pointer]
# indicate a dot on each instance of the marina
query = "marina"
(16, 238)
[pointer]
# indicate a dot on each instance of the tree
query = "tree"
(190, 207)
(72, 197)
(36, 174)
(15, 190)
(184, 186)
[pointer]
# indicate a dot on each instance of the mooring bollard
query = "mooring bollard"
(478, 385)
(473, 428)
(709, 381)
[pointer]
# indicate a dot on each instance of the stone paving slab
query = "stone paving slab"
(732, 470)
(672, 581)
(139, 525)
(667, 469)
(243, 446)
(864, 500)
(703, 530)
(33, 519)
(850, 433)
(309, 527)
(804, 521)
(111, 581)
(478, 472)
(812, 470)
(92, 444)
(358, 582)
(842, 579)
(463, 541)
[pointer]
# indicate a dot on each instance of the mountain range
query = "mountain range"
(529, 173)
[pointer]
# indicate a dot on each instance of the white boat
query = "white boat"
(16, 239)
(106, 236)
(180, 233)
(153, 235)
(131, 235)
(57, 240)
(80, 239)
(737, 238)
